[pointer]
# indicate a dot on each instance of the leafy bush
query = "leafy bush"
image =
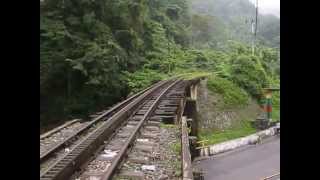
(142, 79)
(247, 73)
(231, 93)
(276, 100)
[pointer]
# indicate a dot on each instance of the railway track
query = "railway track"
(58, 136)
(145, 159)
(57, 129)
(50, 153)
(137, 142)
(133, 111)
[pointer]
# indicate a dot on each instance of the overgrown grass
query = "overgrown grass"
(193, 75)
(163, 125)
(177, 165)
(276, 114)
(214, 137)
(176, 147)
(232, 94)
(144, 78)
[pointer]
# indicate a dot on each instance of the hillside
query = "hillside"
(95, 53)
(231, 20)
(88, 48)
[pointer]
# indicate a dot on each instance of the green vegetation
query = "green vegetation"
(176, 148)
(177, 165)
(189, 76)
(138, 81)
(215, 137)
(217, 21)
(94, 53)
(247, 72)
(276, 106)
(163, 125)
(231, 93)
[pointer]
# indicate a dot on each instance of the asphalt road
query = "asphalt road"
(252, 162)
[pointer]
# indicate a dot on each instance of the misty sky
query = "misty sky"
(269, 6)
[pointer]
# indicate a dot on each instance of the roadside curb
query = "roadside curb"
(239, 142)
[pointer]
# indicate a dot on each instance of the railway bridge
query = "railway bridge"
(150, 135)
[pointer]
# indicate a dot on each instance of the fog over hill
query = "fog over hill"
(231, 20)
(269, 7)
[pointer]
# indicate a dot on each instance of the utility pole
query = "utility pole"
(254, 27)
(191, 30)
(252, 39)
(168, 53)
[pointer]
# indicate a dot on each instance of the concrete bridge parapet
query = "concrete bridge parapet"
(187, 118)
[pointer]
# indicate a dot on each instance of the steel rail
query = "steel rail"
(66, 165)
(110, 172)
(53, 131)
(103, 116)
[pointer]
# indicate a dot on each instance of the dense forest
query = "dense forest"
(94, 53)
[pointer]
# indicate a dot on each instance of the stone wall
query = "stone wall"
(211, 117)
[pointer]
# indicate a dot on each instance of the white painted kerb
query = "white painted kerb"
(232, 144)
